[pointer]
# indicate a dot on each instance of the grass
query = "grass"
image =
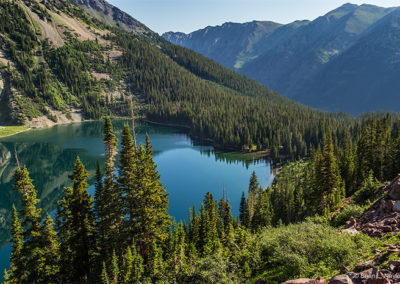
(11, 130)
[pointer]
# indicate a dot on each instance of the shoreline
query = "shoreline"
(261, 153)
(15, 133)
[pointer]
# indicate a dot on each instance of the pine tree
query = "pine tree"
(51, 248)
(32, 251)
(18, 271)
(114, 268)
(330, 182)
(151, 202)
(104, 275)
(178, 260)
(155, 267)
(263, 211)
(251, 198)
(76, 226)
(109, 208)
(243, 210)
(126, 273)
(127, 172)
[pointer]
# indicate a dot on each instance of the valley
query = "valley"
(221, 179)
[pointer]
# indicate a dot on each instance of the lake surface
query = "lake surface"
(188, 168)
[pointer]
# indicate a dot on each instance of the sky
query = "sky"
(190, 15)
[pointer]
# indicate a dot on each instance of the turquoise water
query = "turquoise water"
(188, 168)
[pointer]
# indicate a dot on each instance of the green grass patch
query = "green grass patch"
(11, 130)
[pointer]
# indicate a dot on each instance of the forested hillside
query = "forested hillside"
(73, 61)
(124, 234)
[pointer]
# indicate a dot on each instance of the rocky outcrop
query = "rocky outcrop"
(111, 15)
(383, 217)
(369, 276)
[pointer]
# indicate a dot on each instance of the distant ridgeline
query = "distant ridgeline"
(56, 57)
(345, 60)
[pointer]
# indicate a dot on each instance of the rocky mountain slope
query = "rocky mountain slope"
(59, 62)
(331, 63)
(111, 15)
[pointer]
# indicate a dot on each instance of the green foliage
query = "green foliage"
(76, 229)
(348, 212)
(308, 250)
(368, 191)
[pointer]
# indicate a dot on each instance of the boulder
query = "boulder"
(318, 280)
(396, 206)
(389, 205)
(394, 192)
(341, 279)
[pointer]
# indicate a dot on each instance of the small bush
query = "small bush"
(368, 191)
(348, 212)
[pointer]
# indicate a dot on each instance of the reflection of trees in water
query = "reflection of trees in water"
(49, 166)
(245, 159)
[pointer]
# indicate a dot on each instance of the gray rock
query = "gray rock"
(396, 206)
(341, 279)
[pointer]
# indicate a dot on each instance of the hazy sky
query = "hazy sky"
(189, 15)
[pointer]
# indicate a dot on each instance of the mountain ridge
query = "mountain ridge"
(292, 63)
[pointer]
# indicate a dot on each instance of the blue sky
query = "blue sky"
(189, 15)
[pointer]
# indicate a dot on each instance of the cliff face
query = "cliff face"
(111, 15)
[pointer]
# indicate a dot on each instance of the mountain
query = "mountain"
(59, 64)
(298, 63)
(111, 15)
(230, 44)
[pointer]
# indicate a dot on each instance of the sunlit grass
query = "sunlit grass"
(10, 130)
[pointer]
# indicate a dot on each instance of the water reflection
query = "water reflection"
(187, 169)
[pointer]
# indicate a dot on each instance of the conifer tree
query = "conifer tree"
(126, 180)
(330, 182)
(114, 268)
(51, 249)
(126, 273)
(155, 266)
(18, 271)
(32, 250)
(243, 210)
(76, 226)
(151, 202)
(109, 208)
(263, 211)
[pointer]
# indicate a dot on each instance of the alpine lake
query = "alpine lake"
(188, 168)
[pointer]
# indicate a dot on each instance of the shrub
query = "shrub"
(346, 214)
(308, 250)
(369, 191)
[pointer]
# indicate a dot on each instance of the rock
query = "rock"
(365, 265)
(396, 206)
(260, 281)
(394, 192)
(351, 223)
(351, 231)
(394, 266)
(386, 228)
(295, 281)
(318, 280)
(341, 279)
(389, 205)
(344, 269)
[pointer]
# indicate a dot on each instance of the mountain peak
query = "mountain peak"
(104, 11)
